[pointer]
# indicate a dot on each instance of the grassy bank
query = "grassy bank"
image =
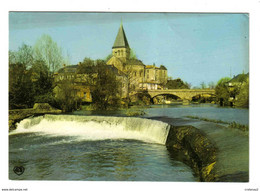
(17, 115)
(230, 124)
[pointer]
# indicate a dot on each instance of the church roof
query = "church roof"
(121, 40)
(135, 62)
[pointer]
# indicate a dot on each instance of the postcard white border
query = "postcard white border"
(248, 6)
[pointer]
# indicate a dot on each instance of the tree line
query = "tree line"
(229, 92)
(104, 83)
(31, 78)
(31, 71)
(233, 92)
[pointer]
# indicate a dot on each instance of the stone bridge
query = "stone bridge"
(184, 94)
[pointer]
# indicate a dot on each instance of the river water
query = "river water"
(55, 149)
(209, 111)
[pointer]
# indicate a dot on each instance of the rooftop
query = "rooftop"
(135, 62)
(121, 40)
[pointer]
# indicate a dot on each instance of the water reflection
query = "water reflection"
(67, 159)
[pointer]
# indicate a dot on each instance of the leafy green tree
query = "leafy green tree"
(107, 89)
(29, 79)
(66, 96)
(242, 99)
(86, 67)
(177, 84)
(12, 57)
(222, 91)
(20, 87)
(42, 81)
(132, 54)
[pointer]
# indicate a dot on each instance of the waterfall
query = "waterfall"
(96, 127)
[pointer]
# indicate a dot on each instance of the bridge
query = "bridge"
(184, 94)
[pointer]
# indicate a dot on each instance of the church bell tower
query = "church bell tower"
(121, 47)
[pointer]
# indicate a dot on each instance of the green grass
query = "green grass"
(230, 124)
(131, 112)
(206, 119)
(238, 126)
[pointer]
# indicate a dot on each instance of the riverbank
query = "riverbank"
(195, 149)
(230, 124)
(216, 153)
(16, 115)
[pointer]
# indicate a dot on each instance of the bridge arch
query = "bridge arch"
(165, 98)
(141, 95)
(184, 94)
(203, 98)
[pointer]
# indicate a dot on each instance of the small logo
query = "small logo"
(19, 170)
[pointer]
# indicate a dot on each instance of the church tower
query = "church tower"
(121, 47)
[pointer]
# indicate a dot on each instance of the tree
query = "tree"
(86, 67)
(222, 91)
(42, 81)
(203, 85)
(66, 96)
(108, 57)
(188, 85)
(29, 79)
(12, 57)
(47, 50)
(107, 88)
(132, 80)
(132, 54)
(20, 87)
(177, 84)
(20, 84)
(211, 85)
(25, 55)
(242, 99)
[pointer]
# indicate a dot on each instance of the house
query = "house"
(82, 83)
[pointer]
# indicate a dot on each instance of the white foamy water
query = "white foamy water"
(96, 127)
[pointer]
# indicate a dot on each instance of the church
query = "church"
(131, 72)
(140, 76)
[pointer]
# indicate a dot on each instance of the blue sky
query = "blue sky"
(194, 47)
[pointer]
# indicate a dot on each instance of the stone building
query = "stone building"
(79, 87)
(83, 83)
(131, 73)
(140, 76)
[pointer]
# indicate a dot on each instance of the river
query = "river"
(209, 111)
(80, 150)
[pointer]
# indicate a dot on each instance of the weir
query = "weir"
(197, 149)
(96, 127)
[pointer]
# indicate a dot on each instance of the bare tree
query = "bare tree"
(24, 56)
(203, 85)
(47, 50)
(212, 85)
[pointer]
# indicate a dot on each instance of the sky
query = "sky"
(194, 47)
